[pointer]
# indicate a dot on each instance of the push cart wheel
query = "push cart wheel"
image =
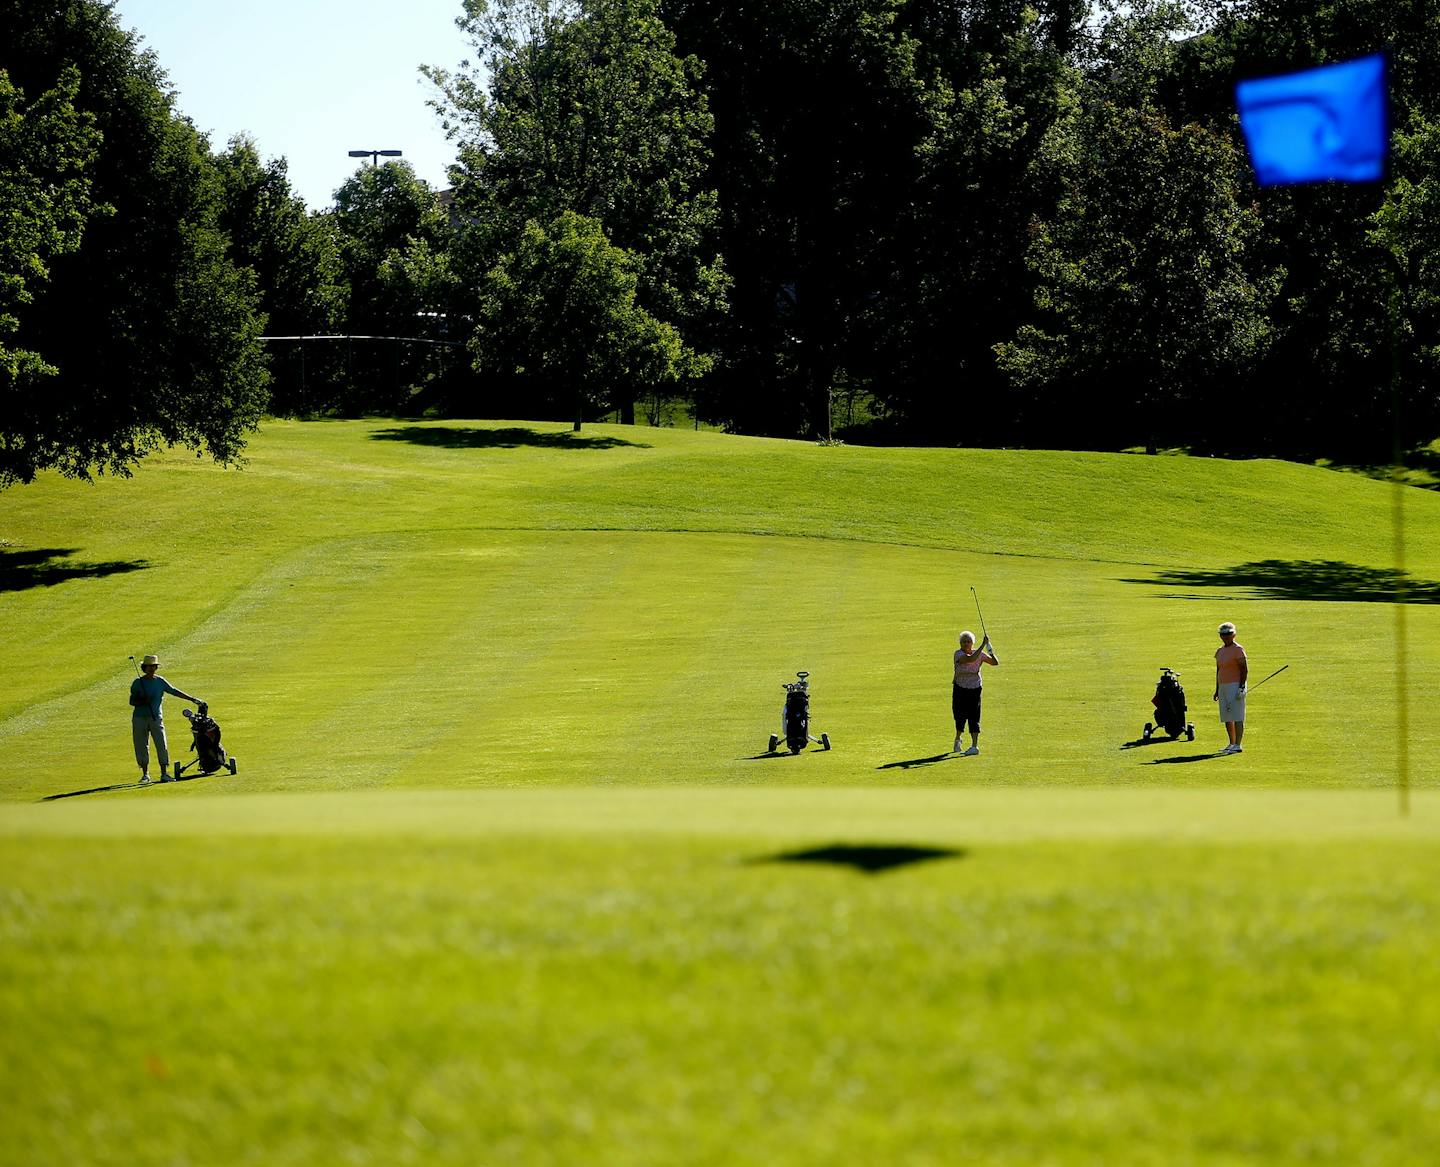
(1149, 729)
(1190, 733)
(231, 765)
(825, 740)
(774, 741)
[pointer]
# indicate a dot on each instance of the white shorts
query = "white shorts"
(1232, 702)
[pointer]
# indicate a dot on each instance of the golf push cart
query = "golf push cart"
(795, 718)
(1169, 702)
(205, 744)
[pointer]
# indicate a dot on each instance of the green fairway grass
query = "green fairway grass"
(379, 604)
(505, 875)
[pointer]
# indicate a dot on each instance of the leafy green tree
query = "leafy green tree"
(871, 160)
(585, 107)
(1344, 250)
(1407, 229)
(561, 327)
(1148, 291)
(46, 148)
(296, 260)
(394, 238)
(955, 280)
(152, 329)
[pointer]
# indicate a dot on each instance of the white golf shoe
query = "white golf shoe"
(956, 748)
(971, 750)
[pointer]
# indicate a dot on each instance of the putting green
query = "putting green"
(718, 976)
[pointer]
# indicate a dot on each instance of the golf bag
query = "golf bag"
(205, 744)
(1170, 708)
(795, 718)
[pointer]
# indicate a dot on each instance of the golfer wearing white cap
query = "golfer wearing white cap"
(1232, 670)
(966, 691)
(146, 694)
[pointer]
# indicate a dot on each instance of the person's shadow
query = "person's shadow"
(1184, 758)
(121, 786)
(914, 763)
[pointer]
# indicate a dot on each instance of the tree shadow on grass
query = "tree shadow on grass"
(454, 437)
(1426, 461)
(913, 763)
(871, 859)
(45, 566)
(1305, 579)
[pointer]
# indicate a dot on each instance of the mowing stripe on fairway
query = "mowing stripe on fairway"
(915, 815)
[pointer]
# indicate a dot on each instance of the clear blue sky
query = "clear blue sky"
(308, 79)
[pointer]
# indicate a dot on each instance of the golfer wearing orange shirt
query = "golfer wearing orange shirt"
(1231, 672)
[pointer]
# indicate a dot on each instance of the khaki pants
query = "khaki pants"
(144, 728)
(1232, 703)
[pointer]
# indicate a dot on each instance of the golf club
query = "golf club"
(979, 613)
(138, 673)
(1251, 688)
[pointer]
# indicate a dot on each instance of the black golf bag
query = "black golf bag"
(1170, 708)
(205, 744)
(795, 718)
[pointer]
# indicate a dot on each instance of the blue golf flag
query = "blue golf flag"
(1322, 125)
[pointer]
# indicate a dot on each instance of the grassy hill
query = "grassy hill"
(396, 604)
(504, 879)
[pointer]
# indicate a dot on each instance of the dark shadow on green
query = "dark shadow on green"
(94, 790)
(1183, 758)
(1304, 579)
(1425, 460)
(868, 858)
(129, 786)
(45, 566)
(454, 437)
(1152, 739)
(912, 763)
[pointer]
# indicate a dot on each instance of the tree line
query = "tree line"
(981, 222)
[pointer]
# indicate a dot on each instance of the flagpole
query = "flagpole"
(1397, 510)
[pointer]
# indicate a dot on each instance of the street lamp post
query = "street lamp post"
(375, 155)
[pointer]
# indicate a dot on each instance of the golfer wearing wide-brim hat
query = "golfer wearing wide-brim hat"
(1232, 670)
(146, 720)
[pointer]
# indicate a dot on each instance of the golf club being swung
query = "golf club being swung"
(984, 632)
(979, 613)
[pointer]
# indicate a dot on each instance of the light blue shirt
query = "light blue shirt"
(154, 690)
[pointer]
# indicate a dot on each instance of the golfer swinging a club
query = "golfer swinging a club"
(965, 696)
(1232, 670)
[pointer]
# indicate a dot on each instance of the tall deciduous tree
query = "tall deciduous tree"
(561, 325)
(296, 260)
(46, 149)
(1343, 249)
(1149, 291)
(871, 158)
(152, 329)
(393, 233)
(585, 107)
